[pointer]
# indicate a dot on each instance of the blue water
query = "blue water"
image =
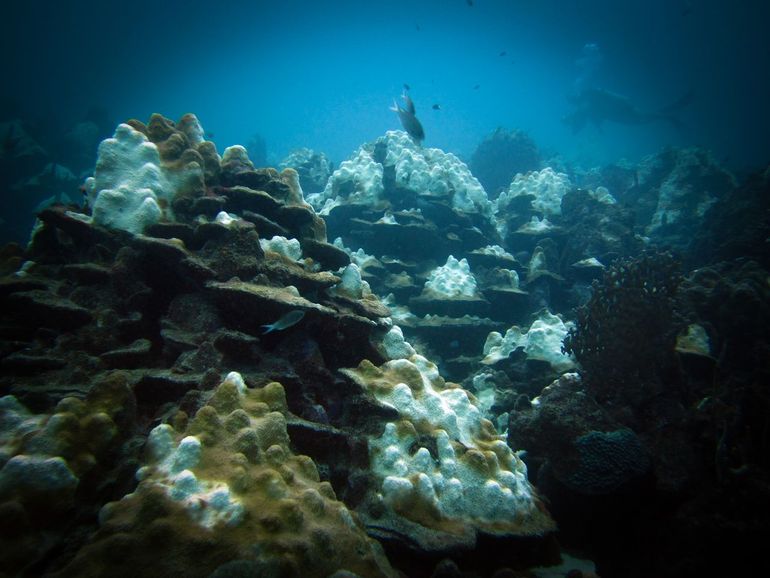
(323, 74)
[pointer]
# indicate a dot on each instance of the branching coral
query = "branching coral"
(626, 333)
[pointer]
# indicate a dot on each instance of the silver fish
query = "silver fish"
(286, 321)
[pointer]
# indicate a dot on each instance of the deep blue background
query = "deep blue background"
(323, 74)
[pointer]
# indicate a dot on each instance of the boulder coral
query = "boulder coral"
(227, 476)
(441, 464)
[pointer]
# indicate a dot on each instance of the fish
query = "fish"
(503, 53)
(406, 86)
(469, 3)
(436, 107)
(286, 321)
(408, 118)
(476, 86)
(597, 105)
(408, 103)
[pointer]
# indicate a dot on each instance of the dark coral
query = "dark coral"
(624, 336)
(736, 225)
(500, 156)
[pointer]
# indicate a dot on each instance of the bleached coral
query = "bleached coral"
(130, 189)
(357, 180)
(454, 279)
(173, 472)
(473, 477)
(351, 284)
(547, 186)
(426, 171)
(394, 346)
(289, 248)
(543, 341)
(434, 172)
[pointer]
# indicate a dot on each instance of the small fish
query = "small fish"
(476, 86)
(469, 3)
(209, 135)
(286, 321)
(408, 119)
(436, 107)
(406, 86)
(503, 53)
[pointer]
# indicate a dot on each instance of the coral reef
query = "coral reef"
(452, 279)
(736, 225)
(143, 428)
(501, 156)
(624, 336)
(393, 169)
(142, 171)
(670, 192)
(313, 168)
(542, 341)
(229, 475)
(169, 311)
(54, 464)
(440, 464)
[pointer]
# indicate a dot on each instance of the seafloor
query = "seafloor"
(216, 369)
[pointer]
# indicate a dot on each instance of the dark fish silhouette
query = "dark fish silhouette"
(436, 107)
(408, 119)
(597, 106)
(503, 53)
(469, 2)
(406, 86)
(476, 86)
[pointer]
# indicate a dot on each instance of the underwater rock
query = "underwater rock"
(687, 183)
(604, 231)
(450, 336)
(327, 255)
(671, 191)
(548, 426)
(735, 225)
(46, 309)
(493, 256)
(249, 306)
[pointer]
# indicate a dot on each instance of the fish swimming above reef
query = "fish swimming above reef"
(286, 321)
(408, 118)
(598, 106)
